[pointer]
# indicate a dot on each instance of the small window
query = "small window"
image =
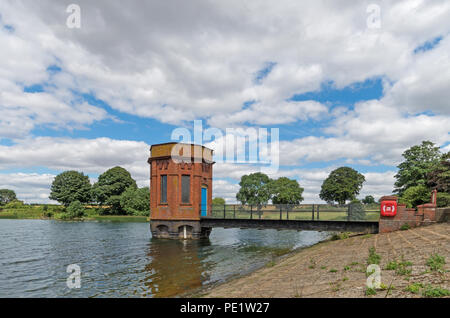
(185, 189)
(164, 189)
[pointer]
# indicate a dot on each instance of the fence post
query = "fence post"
(281, 213)
(234, 211)
(349, 208)
(251, 212)
(313, 212)
(287, 213)
(224, 211)
(318, 206)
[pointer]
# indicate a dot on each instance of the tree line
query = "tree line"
(423, 169)
(115, 192)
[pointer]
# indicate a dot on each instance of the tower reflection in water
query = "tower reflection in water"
(175, 267)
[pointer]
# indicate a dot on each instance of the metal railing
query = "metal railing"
(323, 212)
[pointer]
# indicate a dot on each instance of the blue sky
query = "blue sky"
(91, 98)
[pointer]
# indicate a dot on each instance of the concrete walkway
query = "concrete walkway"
(338, 268)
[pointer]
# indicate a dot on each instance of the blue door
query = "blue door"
(204, 204)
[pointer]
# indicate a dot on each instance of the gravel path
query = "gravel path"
(338, 268)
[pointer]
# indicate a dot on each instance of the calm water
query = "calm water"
(122, 259)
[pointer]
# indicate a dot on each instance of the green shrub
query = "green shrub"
(136, 201)
(414, 196)
(414, 288)
(373, 258)
(75, 210)
(356, 211)
(405, 227)
(370, 291)
(436, 262)
(15, 204)
(430, 291)
(442, 199)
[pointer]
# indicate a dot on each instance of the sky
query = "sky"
(345, 83)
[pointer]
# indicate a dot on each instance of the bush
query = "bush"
(16, 204)
(75, 210)
(414, 196)
(136, 201)
(356, 211)
(443, 199)
(405, 227)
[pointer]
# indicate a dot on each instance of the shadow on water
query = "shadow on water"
(175, 267)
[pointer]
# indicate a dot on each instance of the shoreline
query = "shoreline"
(338, 269)
(202, 291)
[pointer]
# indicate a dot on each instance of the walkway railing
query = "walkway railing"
(323, 212)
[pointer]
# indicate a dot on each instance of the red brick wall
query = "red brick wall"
(174, 209)
(425, 214)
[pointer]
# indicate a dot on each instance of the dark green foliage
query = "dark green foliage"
(71, 186)
(110, 185)
(356, 211)
(439, 177)
(75, 210)
(136, 201)
(436, 262)
(255, 189)
(373, 258)
(442, 199)
(218, 201)
(419, 161)
(415, 195)
(341, 185)
(7, 196)
(286, 191)
(368, 200)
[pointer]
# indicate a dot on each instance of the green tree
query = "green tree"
(443, 199)
(110, 185)
(342, 184)
(368, 200)
(439, 177)
(419, 162)
(218, 201)
(286, 191)
(136, 201)
(7, 196)
(71, 186)
(255, 189)
(75, 210)
(415, 195)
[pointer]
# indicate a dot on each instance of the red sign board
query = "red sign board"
(388, 208)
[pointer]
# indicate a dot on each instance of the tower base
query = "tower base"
(179, 229)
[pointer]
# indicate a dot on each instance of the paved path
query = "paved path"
(337, 268)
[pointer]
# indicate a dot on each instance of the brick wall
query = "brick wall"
(425, 214)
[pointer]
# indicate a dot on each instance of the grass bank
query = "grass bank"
(40, 213)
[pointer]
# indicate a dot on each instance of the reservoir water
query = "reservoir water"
(121, 259)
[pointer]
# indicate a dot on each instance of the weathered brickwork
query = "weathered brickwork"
(424, 215)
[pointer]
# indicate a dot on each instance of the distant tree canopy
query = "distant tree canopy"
(136, 201)
(342, 184)
(218, 201)
(420, 161)
(368, 199)
(110, 185)
(286, 191)
(255, 189)
(71, 186)
(7, 196)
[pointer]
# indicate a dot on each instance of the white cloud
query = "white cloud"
(29, 187)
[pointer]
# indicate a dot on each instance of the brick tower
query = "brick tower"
(180, 190)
